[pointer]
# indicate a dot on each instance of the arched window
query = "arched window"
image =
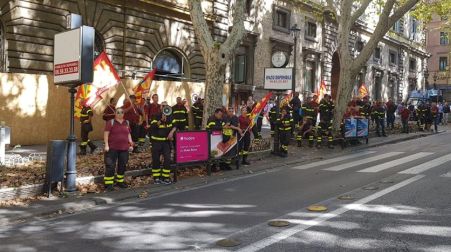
(99, 44)
(170, 65)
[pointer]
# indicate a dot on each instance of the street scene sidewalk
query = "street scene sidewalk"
(71, 203)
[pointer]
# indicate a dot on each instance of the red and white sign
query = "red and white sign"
(67, 55)
(66, 68)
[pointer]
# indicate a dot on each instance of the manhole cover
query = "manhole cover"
(279, 223)
(345, 197)
(317, 208)
(228, 243)
(371, 188)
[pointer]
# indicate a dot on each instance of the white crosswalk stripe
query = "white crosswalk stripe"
(332, 160)
(363, 161)
(426, 166)
(391, 164)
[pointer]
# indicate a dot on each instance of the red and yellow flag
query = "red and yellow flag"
(143, 88)
(258, 109)
(363, 91)
(322, 90)
(105, 77)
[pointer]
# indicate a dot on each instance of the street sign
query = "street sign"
(74, 56)
(278, 78)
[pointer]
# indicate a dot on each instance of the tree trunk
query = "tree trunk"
(214, 85)
(344, 91)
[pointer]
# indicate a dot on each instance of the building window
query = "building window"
(281, 19)
(359, 45)
(414, 27)
(248, 7)
(240, 68)
(309, 77)
(443, 63)
(99, 44)
(2, 49)
(377, 54)
(412, 65)
(397, 26)
(444, 38)
(310, 30)
(169, 64)
(393, 56)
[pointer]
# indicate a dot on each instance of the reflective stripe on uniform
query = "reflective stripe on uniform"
(83, 143)
(179, 112)
(159, 138)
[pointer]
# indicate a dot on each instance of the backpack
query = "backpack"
(112, 122)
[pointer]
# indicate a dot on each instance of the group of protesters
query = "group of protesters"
(128, 126)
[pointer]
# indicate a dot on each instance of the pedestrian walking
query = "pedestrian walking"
(446, 110)
(118, 143)
(435, 116)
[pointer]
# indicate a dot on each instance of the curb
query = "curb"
(71, 206)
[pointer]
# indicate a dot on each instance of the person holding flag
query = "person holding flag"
(86, 127)
(245, 141)
(133, 114)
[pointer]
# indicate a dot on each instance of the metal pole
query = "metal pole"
(293, 86)
(71, 172)
(276, 148)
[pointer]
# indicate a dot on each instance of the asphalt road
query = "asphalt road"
(408, 208)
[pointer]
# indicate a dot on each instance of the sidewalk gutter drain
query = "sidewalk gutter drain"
(345, 197)
(371, 188)
(278, 223)
(228, 243)
(317, 208)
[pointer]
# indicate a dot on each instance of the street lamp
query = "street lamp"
(295, 31)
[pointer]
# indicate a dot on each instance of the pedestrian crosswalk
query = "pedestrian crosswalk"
(373, 162)
(363, 161)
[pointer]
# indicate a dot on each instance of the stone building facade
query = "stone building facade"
(141, 34)
(137, 35)
(396, 67)
(437, 43)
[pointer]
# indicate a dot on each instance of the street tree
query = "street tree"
(216, 54)
(346, 13)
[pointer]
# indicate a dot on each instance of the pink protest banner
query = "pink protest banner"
(191, 147)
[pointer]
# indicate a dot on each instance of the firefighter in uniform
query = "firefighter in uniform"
(365, 108)
(198, 111)
(86, 127)
(216, 123)
(273, 118)
(305, 132)
(162, 133)
(284, 123)
(421, 115)
(179, 115)
(311, 109)
(326, 107)
(245, 142)
(324, 129)
(379, 115)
